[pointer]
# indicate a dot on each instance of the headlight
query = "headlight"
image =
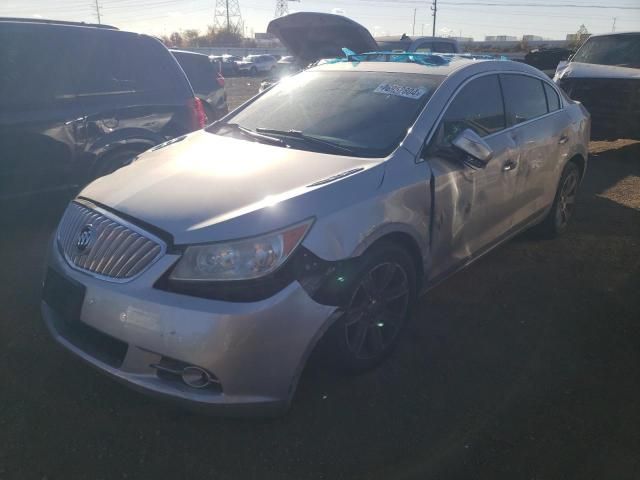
(244, 259)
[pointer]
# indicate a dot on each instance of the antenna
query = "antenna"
(227, 16)
(282, 7)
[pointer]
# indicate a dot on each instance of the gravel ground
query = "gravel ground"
(524, 366)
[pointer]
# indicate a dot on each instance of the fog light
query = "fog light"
(196, 377)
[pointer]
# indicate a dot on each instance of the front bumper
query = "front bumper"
(255, 350)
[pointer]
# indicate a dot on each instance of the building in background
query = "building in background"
(532, 38)
(500, 38)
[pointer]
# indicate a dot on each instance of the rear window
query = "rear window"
(393, 46)
(199, 69)
(368, 112)
(121, 64)
(33, 70)
(618, 50)
(553, 100)
(444, 47)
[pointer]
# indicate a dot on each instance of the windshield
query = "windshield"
(616, 50)
(366, 112)
(391, 46)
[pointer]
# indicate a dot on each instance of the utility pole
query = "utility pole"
(98, 11)
(413, 32)
(227, 16)
(613, 28)
(434, 8)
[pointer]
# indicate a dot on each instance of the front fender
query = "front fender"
(402, 204)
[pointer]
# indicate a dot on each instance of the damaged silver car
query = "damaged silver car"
(208, 270)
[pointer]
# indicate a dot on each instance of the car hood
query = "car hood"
(311, 36)
(591, 70)
(208, 187)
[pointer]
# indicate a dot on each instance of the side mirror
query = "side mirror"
(470, 143)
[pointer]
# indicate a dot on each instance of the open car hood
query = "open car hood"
(311, 36)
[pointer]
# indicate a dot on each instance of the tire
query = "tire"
(563, 205)
(209, 112)
(111, 162)
(382, 298)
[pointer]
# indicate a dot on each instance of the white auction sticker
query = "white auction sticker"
(400, 91)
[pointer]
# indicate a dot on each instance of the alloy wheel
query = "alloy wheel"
(377, 311)
(567, 199)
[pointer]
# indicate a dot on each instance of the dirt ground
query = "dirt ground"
(524, 366)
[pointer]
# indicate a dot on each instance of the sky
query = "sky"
(467, 18)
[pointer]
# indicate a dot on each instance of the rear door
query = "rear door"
(40, 122)
(540, 128)
(473, 207)
(132, 89)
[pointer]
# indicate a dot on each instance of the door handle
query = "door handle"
(563, 139)
(509, 165)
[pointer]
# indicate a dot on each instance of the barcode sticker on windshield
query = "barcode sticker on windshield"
(400, 91)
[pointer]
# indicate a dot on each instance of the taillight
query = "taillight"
(220, 79)
(196, 110)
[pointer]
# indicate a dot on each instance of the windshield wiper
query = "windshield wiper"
(297, 134)
(251, 134)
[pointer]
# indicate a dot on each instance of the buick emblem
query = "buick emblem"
(83, 242)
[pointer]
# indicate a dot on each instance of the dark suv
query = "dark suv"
(78, 101)
(205, 76)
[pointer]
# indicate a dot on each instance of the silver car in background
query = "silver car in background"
(208, 270)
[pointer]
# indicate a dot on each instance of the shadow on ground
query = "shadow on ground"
(523, 366)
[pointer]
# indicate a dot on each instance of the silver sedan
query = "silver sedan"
(208, 270)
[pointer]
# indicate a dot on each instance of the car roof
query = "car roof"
(456, 63)
(187, 52)
(611, 34)
(44, 21)
(409, 39)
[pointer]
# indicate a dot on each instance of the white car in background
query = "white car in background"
(252, 64)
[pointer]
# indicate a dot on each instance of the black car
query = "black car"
(207, 82)
(78, 101)
(547, 59)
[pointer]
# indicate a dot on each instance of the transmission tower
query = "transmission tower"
(227, 16)
(282, 7)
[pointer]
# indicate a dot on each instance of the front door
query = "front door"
(472, 206)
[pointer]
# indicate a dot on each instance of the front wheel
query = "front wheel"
(383, 295)
(113, 161)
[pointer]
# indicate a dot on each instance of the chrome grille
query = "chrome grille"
(93, 241)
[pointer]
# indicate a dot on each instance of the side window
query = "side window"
(553, 101)
(477, 106)
(443, 47)
(425, 47)
(35, 66)
(121, 64)
(524, 98)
